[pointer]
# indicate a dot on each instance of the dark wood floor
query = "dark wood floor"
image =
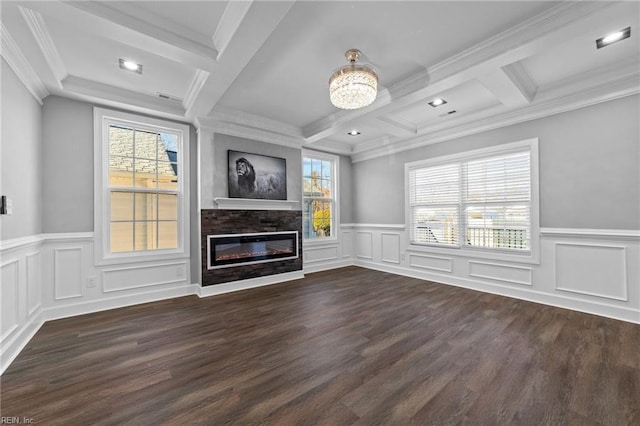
(348, 346)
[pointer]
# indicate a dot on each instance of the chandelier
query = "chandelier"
(353, 86)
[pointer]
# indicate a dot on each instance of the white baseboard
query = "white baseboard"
(82, 308)
(11, 349)
(325, 266)
(213, 290)
(589, 307)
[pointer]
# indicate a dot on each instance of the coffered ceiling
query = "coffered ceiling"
(260, 69)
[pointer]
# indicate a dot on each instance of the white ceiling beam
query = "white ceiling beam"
(232, 17)
(593, 87)
(332, 146)
(256, 26)
(195, 88)
(99, 19)
(329, 125)
(45, 42)
(551, 27)
(395, 126)
(504, 88)
(19, 64)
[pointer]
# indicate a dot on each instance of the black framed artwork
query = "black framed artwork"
(257, 176)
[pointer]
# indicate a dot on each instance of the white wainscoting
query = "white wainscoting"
(67, 273)
(20, 295)
(589, 270)
(584, 268)
(323, 255)
(53, 276)
(364, 245)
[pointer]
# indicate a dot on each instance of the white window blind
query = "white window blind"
(498, 201)
(482, 202)
(434, 198)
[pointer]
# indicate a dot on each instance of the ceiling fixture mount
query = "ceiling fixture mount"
(353, 86)
(354, 132)
(613, 37)
(437, 102)
(130, 66)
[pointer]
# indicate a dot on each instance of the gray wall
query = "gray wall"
(589, 168)
(68, 165)
(223, 143)
(21, 157)
(346, 190)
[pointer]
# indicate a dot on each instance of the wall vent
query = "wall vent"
(169, 97)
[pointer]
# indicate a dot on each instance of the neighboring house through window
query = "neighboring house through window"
(319, 183)
(485, 199)
(140, 178)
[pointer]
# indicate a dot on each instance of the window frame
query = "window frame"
(335, 219)
(103, 118)
(525, 256)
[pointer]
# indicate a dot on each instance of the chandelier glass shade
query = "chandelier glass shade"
(353, 86)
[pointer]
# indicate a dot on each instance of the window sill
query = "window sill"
(325, 242)
(141, 257)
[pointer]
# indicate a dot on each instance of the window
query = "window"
(485, 199)
(140, 167)
(319, 183)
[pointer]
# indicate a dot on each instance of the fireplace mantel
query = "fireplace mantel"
(255, 204)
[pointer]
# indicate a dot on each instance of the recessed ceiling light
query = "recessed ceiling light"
(130, 66)
(354, 132)
(437, 102)
(613, 37)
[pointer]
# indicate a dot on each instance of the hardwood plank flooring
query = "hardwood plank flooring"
(344, 347)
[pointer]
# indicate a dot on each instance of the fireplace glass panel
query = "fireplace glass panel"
(235, 250)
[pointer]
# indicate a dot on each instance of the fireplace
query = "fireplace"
(216, 225)
(228, 250)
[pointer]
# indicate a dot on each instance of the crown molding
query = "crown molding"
(230, 21)
(241, 118)
(215, 126)
(551, 101)
(43, 38)
(19, 64)
(195, 88)
(83, 88)
(334, 147)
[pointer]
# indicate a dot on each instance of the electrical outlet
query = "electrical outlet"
(9, 206)
(91, 282)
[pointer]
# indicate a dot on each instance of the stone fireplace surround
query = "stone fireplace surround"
(223, 221)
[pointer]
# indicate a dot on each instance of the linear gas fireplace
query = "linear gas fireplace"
(246, 249)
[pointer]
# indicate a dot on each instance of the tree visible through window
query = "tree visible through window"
(318, 181)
